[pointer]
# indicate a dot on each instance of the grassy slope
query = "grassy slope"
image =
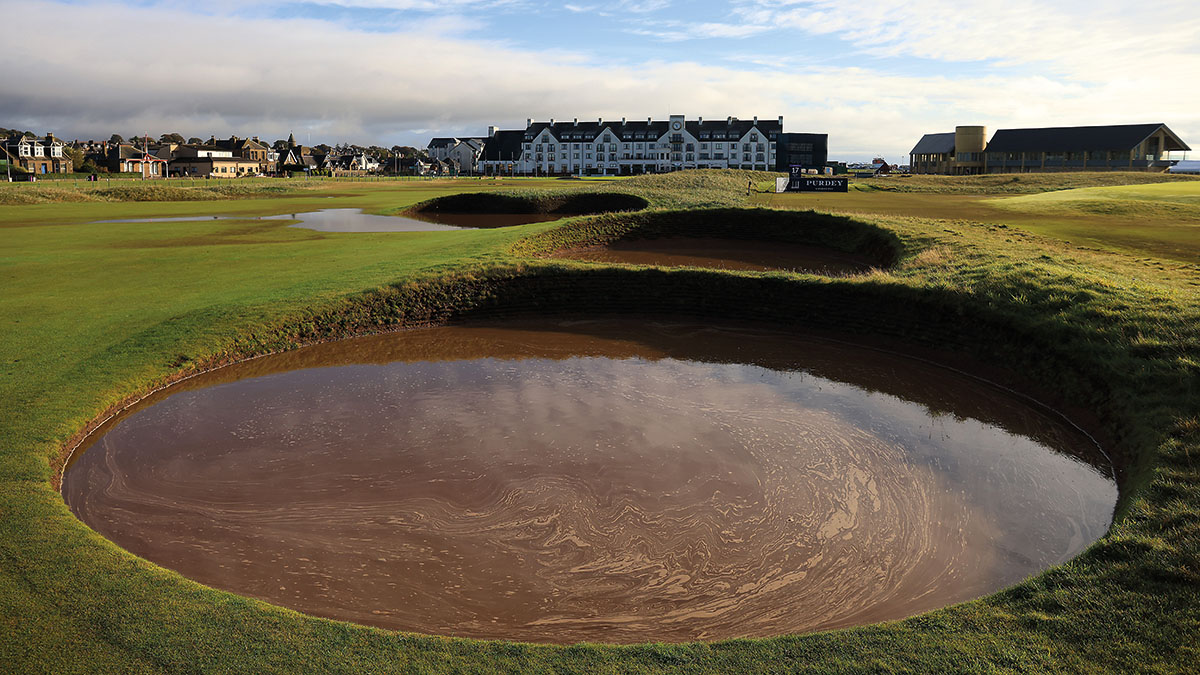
(96, 312)
(1007, 183)
(1158, 220)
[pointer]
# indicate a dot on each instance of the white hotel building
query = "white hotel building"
(627, 148)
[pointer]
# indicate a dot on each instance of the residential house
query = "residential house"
(412, 166)
(252, 149)
(38, 155)
(214, 166)
(502, 152)
(126, 158)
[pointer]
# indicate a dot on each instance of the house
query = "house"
(251, 149)
(126, 158)
(412, 166)
(502, 152)
(1119, 147)
(215, 166)
(439, 148)
(299, 158)
(38, 155)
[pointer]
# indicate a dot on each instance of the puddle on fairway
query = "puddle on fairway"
(729, 254)
(611, 481)
(354, 220)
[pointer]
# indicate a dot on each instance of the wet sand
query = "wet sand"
(729, 254)
(605, 481)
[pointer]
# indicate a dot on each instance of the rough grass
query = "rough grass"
(148, 191)
(1016, 183)
(93, 315)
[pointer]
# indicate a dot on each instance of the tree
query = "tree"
(116, 138)
(171, 138)
(76, 157)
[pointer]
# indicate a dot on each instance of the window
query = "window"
(689, 147)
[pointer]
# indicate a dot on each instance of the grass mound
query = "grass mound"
(841, 233)
(573, 203)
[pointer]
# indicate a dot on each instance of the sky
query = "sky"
(875, 76)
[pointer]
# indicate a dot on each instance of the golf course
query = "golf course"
(1081, 291)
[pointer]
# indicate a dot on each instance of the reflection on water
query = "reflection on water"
(730, 254)
(602, 481)
(354, 220)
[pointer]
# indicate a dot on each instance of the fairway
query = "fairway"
(1160, 220)
(1087, 299)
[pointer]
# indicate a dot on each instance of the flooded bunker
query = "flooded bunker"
(609, 480)
(731, 239)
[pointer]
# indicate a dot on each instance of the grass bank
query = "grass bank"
(96, 314)
(565, 203)
(1016, 183)
(840, 233)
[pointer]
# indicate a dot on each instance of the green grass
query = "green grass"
(1156, 220)
(1009, 183)
(94, 314)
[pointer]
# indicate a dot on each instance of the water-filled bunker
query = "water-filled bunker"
(607, 480)
(731, 239)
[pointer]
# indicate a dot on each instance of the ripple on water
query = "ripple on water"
(606, 481)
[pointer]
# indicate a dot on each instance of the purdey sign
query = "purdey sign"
(801, 182)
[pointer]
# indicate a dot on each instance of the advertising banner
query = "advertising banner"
(801, 182)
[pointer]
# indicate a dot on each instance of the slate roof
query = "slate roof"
(651, 130)
(504, 146)
(1063, 139)
(934, 144)
(442, 142)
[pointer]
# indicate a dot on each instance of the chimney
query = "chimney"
(528, 122)
(599, 120)
(491, 131)
(756, 120)
(576, 121)
(649, 120)
(728, 120)
(781, 121)
(699, 120)
(551, 121)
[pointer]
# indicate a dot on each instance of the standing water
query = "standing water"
(604, 481)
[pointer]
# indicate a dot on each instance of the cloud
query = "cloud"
(1090, 39)
(200, 75)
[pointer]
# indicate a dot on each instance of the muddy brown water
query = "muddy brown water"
(614, 481)
(354, 220)
(730, 254)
